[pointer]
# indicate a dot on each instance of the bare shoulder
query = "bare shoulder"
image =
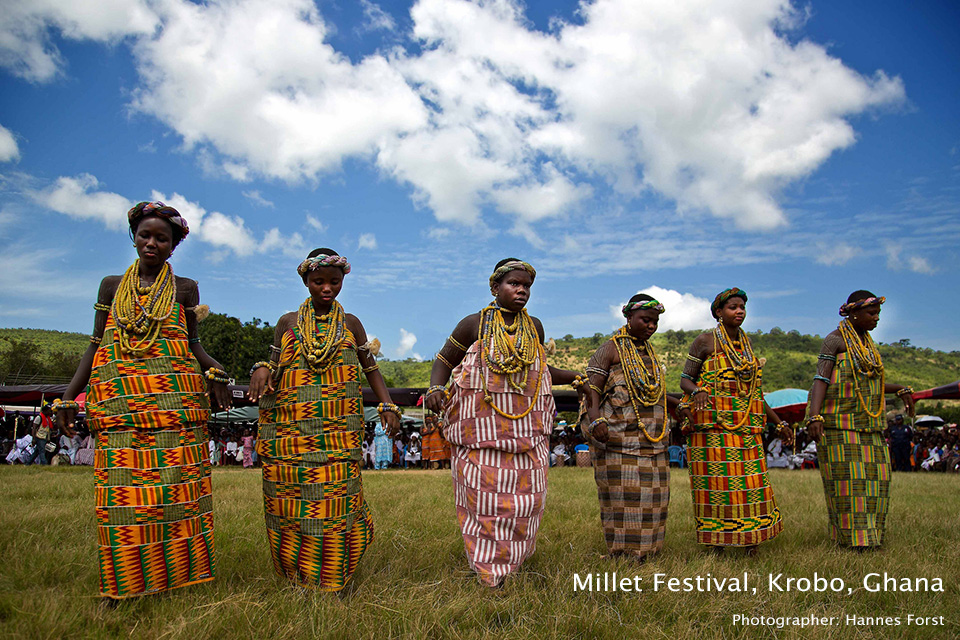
(703, 345)
(833, 343)
(539, 327)
(287, 321)
(108, 288)
(353, 323)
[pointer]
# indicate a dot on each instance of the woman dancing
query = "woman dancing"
(311, 427)
(147, 409)
(499, 413)
(624, 420)
(733, 501)
(846, 418)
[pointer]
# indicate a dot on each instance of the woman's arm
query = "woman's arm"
(558, 376)
(831, 347)
(449, 356)
(261, 380)
(598, 370)
(690, 377)
(219, 393)
(390, 420)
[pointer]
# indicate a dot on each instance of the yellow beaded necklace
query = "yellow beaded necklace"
(866, 362)
(746, 367)
(507, 356)
(139, 323)
(644, 386)
(320, 348)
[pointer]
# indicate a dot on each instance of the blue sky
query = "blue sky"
(798, 151)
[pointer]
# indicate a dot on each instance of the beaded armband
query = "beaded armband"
(96, 339)
(597, 389)
(694, 359)
(688, 377)
(194, 340)
(217, 375)
(261, 364)
(827, 356)
(59, 405)
(597, 371)
(457, 344)
(905, 391)
(822, 379)
(383, 407)
(812, 419)
(101, 307)
(371, 368)
(444, 360)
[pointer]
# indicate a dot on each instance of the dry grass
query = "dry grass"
(414, 580)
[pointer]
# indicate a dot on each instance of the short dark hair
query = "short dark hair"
(862, 294)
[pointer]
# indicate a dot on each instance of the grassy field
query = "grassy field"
(414, 580)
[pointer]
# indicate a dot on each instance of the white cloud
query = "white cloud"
(375, 18)
(255, 197)
(9, 151)
(367, 241)
(407, 342)
(80, 197)
(716, 106)
(899, 262)
(834, 254)
(26, 49)
(315, 224)
(682, 310)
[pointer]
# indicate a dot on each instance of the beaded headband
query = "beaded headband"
(845, 309)
(168, 213)
(314, 263)
(515, 265)
(643, 304)
(725, 295)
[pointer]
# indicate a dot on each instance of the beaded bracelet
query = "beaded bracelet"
(373, 367)
(194, 340)
(433, 389)
(59, 405)
(101, 307)
(579, 381)
(383, 407)
(95, 340)
(905, 391)
(812, 419)
(217, 375)
(262, 364)
(682, 406)
(697, 390)
(593, 425)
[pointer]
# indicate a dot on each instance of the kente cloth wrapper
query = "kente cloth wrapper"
(632, 473)
(318, 523)
(499, 465)
(854, 459)
(154, 508)
(435, 446)
(733, 502)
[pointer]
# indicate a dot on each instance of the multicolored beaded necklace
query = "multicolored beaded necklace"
(866, 362)
(136, 320)
(645, 386)
(321, 346)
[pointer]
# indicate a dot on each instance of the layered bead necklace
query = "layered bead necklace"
(645, 386)
(746, 367)
(139, 323)
(321, 346)
(866, 362)
(509, 349)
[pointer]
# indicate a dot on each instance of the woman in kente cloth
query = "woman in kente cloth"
(147, 409)
(733, 501)
(311, 427)
(846, 416)
(498, 414)
(624, 420)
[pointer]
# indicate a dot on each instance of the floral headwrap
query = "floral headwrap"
(846, 309)
(168, 213)
(725, 295)
(642, 304)
(513, 265)
(322, 260)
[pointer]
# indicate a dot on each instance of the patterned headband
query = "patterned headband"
(314, 263)
(846, 309)
(514, 265)
(725, 295)
(643, 304)
(171, 215)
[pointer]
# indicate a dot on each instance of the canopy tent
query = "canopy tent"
(946, 392)
(790, 404)
(929, 422)
(249, 413)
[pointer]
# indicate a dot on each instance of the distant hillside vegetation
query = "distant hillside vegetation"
(37, 355)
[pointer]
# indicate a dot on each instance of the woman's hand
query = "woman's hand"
(435, 401)
(815, 430)
(261, 384)
(66, 420)
(786, 435)
(390, 422)
(686, 421)
(909, 404)
(220, 394)
(600, 432)
(701, 401)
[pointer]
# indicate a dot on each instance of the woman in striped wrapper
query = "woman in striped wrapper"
(847, 418)
(498, 414)
(147, 409)
(311, 427)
